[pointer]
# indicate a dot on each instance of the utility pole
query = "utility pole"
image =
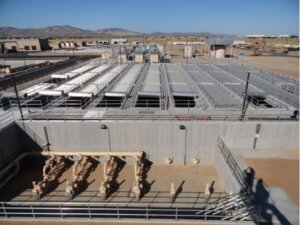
(245, 97)
(17, 95)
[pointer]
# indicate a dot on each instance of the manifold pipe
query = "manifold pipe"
(91, 154)
(17, 160)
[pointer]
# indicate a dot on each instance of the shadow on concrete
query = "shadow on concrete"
(29, 140)
(115, 185)
(84, 183)
(179, 189)
(30, 170)
(53, 184)
(260, 197)
(146, 185)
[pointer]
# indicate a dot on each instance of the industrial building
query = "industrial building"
(24, 45)
(218, 46)
(144, 141)
(118, 41)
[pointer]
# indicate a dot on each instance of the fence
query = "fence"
(112, 211)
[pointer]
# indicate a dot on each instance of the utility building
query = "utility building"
(154, 54)
(25, 45)
(218, 46)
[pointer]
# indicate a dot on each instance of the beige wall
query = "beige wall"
(154, 58)
(106, 55)
(122, 58)
(10, 45)
(21, 44)
(139, 58)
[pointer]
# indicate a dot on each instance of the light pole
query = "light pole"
(17, 95)
(104, 127)
(182, 127)
(245, 98)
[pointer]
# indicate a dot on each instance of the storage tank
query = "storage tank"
(72, 45)
(188, 51)
(217, 51)
(161, 48)
(67, 45)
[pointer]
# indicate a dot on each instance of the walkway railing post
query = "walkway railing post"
(147, 216)
(4, 210)
(33, 215)
(118, 212)
(89, 212)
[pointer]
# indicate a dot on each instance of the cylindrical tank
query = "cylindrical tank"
(72, 45)
(217, 51)
(188, 51)
(67, 45)
(161, 48)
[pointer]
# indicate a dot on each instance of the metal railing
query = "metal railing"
(112, 211)
(154, 114)
(32, 134)
(240, 177)
(232, 164)
(6, 118)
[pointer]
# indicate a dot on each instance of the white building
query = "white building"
(118, 41)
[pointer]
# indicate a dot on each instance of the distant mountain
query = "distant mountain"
(180, 34)
(67, 31)
(113, 32)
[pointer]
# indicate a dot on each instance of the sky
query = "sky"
(147, 16)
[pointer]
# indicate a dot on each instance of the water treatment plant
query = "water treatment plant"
(114, 126)
(101, 139)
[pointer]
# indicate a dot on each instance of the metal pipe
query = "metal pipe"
(17, 95)
(116, 154)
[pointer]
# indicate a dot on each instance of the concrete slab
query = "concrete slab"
(280, 207)
(189, 180)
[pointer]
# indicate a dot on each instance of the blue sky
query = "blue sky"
(216, 16)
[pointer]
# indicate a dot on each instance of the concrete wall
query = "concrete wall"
(225, 174)
(14, 141)
(164, 139)
(9, 144)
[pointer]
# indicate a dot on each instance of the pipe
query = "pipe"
(104, 154)
(17, 160)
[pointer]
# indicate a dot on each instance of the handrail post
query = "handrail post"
(61, 215)
(89, 212)
(147, 215)
(33, 215)
(4, 210)
(118, 212)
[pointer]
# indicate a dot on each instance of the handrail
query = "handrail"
(233, 165)
(6, 118)
(89, 210)
(31, 133)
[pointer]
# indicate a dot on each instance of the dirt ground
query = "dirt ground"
(285, 65)
(278, 173)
